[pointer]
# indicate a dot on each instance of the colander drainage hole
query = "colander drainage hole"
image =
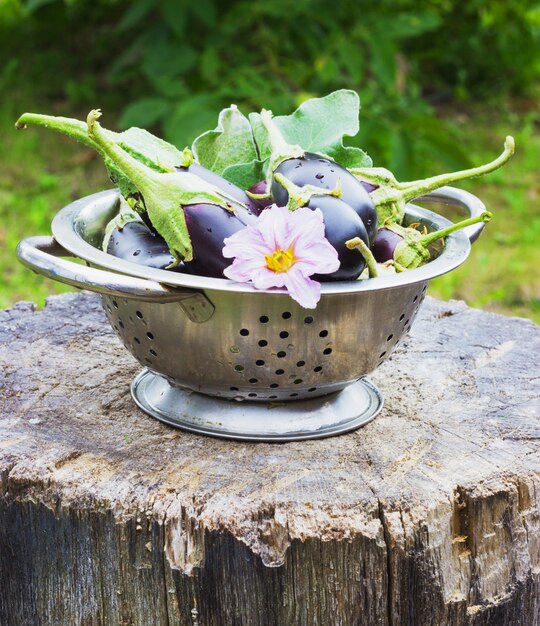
(292, 395)
(233, 388)
(244, 332)
(286, 315)
(153, 352)
(274, 385)
(239, 368)
(280, 372)
(272, 397)
(382, 354)
(137, 340)
(389, 337)
(148, 361)
(327, 351)
(300, 363)
(298, 381)
(253, 380)
(415, 298)
(281, 354)
(312, 389)
(121, 323)
(317, 369)
(150, 336)
(323, 333)
(139, 314)
(402, 317)
(115, 304)
(264, 319)
(308, 320)
(263, 343)
(252, 395)
(259, 362)
(284, 334)
(406, 322)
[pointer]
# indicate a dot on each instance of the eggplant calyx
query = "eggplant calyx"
(300, 196)
(123, 217)
(413, 250)
(281, 150)
(357, 244)
(391, 196)
(164, 193)
(258, 196)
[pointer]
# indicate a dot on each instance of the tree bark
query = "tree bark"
(427, 516)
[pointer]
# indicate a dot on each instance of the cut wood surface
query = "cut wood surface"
(427, 516)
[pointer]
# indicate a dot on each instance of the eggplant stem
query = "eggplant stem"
(357, 244)
(67, 126)
(414, 189)
(425, 240)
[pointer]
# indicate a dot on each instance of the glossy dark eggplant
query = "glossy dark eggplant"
(384, 245)
(315, 170)
(137, 243)
(208, 226)
(248, 214)
(341, 223)
(408, 248)
(260, 203)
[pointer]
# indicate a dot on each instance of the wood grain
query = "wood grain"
(428, 516)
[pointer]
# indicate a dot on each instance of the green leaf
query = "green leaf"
(319, 125)
(244, 175)
(145, 112)
(135, 14)
(349, 156)
(151, 150)
(231, 143)
(189, 118)
(174, 14)
(34, 5)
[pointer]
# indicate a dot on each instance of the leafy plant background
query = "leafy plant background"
(171, 65)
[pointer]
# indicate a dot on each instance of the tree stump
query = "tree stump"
(427, 516)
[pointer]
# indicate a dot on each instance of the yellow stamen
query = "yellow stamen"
(280, 260)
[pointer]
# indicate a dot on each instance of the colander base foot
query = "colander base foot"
(315, 418)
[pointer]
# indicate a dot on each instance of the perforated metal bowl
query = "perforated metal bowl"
(229, 341)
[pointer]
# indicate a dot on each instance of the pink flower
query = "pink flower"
(283, 249)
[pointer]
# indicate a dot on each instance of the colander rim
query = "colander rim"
(69, 223)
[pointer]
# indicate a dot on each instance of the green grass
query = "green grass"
(42, 172)
(502, 273)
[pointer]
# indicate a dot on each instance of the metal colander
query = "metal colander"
(227, 341)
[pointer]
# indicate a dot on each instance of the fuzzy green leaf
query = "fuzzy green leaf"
(244, 175)
(319, 125)
(231, 143)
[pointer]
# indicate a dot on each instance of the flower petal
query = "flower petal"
(303, 233)
(304, 290)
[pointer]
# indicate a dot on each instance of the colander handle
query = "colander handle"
(464, 200)
(41, 254)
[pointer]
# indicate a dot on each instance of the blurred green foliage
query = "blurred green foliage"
(171, 65)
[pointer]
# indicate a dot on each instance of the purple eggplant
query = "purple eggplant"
(408, 248)
(312, 169)
(137, 243)
(341, 223)
(246, 209)
(190, 213)
(260, 198)
(208, 225)
(385, 244)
